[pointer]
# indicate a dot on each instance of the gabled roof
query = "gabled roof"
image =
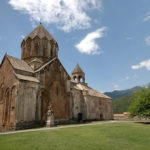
(44, 65)
(26, 78)
(41, 32)
(90, 91)
(77, 69)
(19, 64)
(50, 61)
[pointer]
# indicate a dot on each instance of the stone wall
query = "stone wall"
(98, 108)
(53, 81)
(91, 107)
(27, 100)
(125, 117)
(8, 95)
(77, 105)
(107, 109)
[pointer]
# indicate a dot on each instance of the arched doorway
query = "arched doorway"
(101, 117)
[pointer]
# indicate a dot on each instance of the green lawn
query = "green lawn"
(112, 136)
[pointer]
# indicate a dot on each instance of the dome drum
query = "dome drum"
(39, 44)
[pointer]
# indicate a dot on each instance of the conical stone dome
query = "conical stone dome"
(39, 44)
(78, 74)
(77, 69)
(41, 32)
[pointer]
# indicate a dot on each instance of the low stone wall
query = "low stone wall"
(125, 117)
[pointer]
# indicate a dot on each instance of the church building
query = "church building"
(30, 85)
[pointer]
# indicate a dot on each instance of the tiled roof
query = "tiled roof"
(77, 69)
(119, 115)
(41, 32)
(27, 78)
(122, 115)
(19, 64)
(90, 91)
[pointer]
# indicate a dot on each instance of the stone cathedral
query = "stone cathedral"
(28, 86)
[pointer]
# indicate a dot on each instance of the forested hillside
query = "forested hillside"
(122, 99)
(121, 104)
(120, 93)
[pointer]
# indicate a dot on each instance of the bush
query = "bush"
(140, 107)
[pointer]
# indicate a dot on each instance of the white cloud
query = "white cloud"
(147, 17)
(22, 36)
(147, 40)
(142, 64)
(135, 76)
(88, 44)
(67, 14)
(129, 38)
(116, 87)
(127, 78)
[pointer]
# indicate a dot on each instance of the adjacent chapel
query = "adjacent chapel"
(28, 86)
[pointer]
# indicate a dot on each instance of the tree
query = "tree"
(140, 107)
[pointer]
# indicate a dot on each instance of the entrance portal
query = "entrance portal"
(79, 116)
(101, 116)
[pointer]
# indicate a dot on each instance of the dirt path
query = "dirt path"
(60, 127)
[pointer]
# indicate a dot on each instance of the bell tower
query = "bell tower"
(38, 47)
(78, 75)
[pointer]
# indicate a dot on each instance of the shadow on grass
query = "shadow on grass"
(144, 122)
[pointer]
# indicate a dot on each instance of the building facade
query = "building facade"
(28, 86)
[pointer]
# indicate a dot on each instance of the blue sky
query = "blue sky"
(110, 39)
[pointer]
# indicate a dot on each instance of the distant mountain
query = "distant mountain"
(121, 93)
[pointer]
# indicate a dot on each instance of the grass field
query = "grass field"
(112, 136)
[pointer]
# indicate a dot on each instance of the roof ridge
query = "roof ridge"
(44, 65)
(92, 91)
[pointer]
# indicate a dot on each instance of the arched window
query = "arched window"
(36, 45)
(81, 79)
(54, 54)
(57, 91)
(28, 44)
(7, 103)
(1, 92)
(13, 97)
(75, 78)
(28, 48)
(52, 49)
(45, 46)
(13, 104)
(100, 102)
